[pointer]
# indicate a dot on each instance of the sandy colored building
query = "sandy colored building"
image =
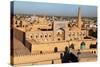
(49, 39)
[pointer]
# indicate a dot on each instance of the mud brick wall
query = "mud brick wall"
(20, 35)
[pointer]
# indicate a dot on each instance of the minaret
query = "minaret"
(79, 23)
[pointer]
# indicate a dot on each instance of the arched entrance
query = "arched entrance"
(60, 34)
(66, 48)
(83, 45)
(55, 49)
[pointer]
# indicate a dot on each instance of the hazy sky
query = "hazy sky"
(37, 8)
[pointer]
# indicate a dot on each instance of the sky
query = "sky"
(52, 9)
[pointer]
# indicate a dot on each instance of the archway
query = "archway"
(83, 45)
(66, 48)
(93, 46)
(61, 34)
(55, 49)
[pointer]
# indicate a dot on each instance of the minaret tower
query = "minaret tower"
(79, 23)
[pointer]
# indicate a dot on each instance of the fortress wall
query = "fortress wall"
(46, 58)
(57, 61)
(35, 58)
(28, 45)
(88, 59)
(49, 47)
(60, 46)
(20, 35)
(43, 62)
(49, 62)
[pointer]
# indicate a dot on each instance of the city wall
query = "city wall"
(49, 47)
(46, 58)
(45, 47)
(35, 58)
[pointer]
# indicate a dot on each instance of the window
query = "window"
(83, 45)
(66, 48)
(58, 39)
(93, 46)
(49, 35)
(58, 33)
(45, 35)
(36, 36)
(55, 49)
(41, 36)
(31, 36)
(49, 25)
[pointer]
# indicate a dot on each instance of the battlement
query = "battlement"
(50, 57)
(35, 58)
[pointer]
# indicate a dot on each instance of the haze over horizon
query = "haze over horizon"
(52, 9)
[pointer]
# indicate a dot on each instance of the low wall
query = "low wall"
(47, 58)
(56, 61)
(35, 58)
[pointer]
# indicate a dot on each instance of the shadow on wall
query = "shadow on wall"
(20, 35)
(68, 57)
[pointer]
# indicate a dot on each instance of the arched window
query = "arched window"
(93, 46)
(49, 25)
(30, 36)
(36, 36)
(49, 35)
(45, 35)
(61, 33)
(66, 48)
(58, 33)
(41, 36)
(83, 45)
(55, 49)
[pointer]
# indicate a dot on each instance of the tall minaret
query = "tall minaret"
(79, 22)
